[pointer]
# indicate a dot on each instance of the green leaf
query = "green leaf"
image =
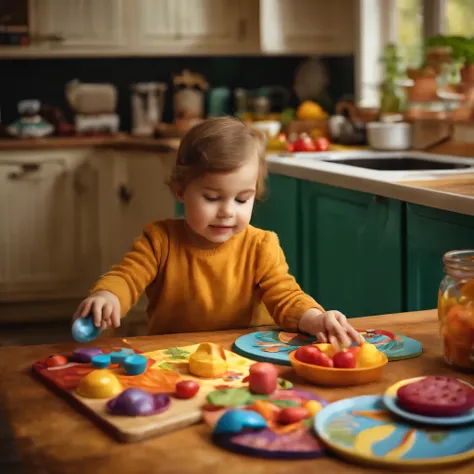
(165, 366)
(284, 384)
(257, 396)
(177, 353)
(285, 403)
(230, 397)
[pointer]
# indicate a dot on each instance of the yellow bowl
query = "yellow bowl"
(332, 377)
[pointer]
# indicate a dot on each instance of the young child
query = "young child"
(213, 270)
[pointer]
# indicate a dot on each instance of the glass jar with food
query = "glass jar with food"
(456, 309)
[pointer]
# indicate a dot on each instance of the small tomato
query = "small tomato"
(321, 144)
(187, 389)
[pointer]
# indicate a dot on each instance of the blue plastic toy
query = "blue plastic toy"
(135, 364)
(234, 421)
(83, 329)
(101, 361)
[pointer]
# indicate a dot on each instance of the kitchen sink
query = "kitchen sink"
(398, 163)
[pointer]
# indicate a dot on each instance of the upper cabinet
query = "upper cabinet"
(189, 27)
(308, 26)
(193, 26)
(75, 24)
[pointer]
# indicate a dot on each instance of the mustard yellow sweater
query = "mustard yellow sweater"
(195, 289)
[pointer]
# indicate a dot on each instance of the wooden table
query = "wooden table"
(52, 437)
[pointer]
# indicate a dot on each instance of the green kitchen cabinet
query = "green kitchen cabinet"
(279, 212)
(430, 233)
(352, 250)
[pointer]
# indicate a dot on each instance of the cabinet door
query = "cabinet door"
(352, 250)
(37, 224)
(132, 193)
(193, 26)
(278, 212)
(430, 234)
(308, 26)
(79, 23)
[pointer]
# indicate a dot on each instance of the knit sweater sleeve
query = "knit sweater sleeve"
(137, 269)
(281, 294)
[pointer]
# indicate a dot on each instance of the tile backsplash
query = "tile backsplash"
(45, 79)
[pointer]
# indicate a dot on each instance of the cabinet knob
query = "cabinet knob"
(125, 194)
(25, 169)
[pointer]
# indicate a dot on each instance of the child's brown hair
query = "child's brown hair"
(217, 145)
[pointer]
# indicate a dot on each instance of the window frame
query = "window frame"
(378, 26)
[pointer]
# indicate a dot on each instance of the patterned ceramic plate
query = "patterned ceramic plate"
(360, 429)
(274, 346)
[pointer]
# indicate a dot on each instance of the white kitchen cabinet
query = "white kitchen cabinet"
(43, 245)
(78, 24)
(308, 26)
(196, 26)
(132, 193)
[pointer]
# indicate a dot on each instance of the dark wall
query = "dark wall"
(44, 79)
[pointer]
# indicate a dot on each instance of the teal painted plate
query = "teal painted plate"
(362, 430)
(274, 346)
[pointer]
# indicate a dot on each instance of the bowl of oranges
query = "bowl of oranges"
(321, 364)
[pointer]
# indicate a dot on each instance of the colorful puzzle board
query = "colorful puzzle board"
(166, 367)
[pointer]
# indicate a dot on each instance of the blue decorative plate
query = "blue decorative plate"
(362, 430)
(391, 402)
(274, 346)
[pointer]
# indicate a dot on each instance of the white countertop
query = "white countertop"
(390, 184)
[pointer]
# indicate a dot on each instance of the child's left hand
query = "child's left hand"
(330, 326)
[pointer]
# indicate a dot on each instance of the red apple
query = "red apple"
(308, 354)
(344, 360)
(325, 360)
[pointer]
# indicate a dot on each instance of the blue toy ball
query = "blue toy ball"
(235, 421)
(83, 329)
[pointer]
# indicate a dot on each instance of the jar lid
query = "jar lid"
(459, 262)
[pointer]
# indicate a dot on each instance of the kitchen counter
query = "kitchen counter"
(51, 436)
(448, 190)
(121, 140)
(451, 190)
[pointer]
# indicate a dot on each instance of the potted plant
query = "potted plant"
(425, 84)
(392, 100)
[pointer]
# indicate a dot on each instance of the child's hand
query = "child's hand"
(331, 326)
(105, 307)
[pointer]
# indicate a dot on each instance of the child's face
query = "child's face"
(219, 205)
